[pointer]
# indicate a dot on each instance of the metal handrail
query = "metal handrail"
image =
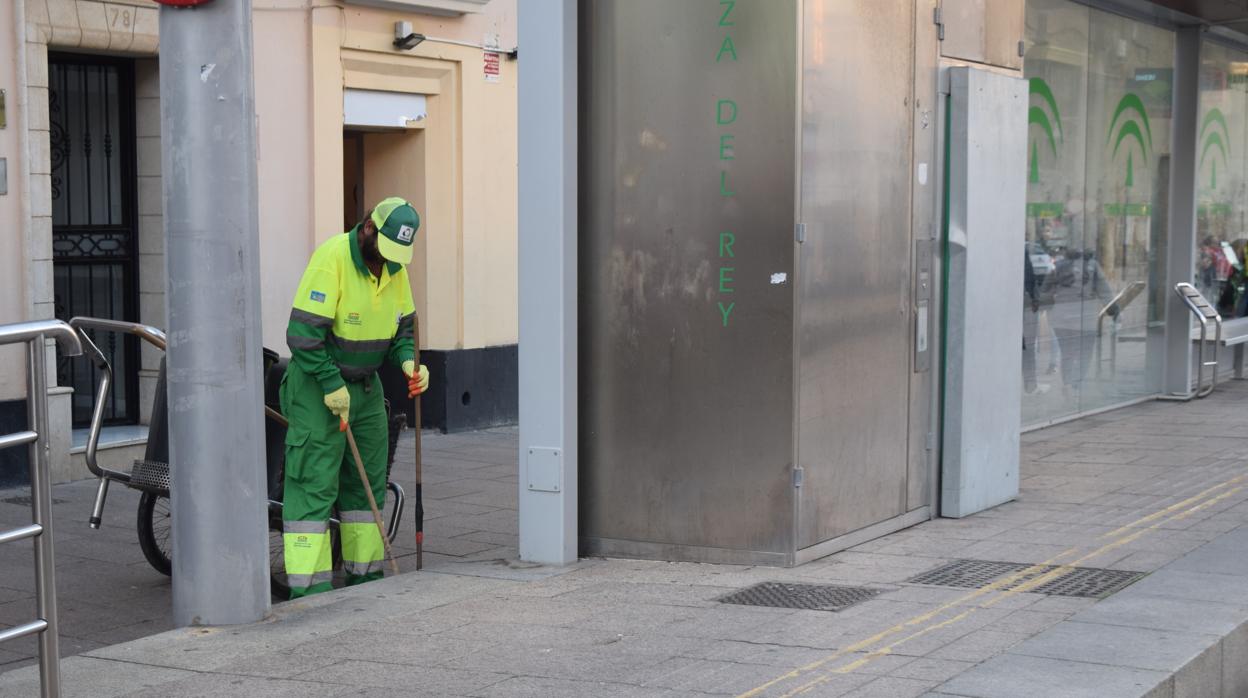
(35, 335)
(1121, 301)
(65, 337)
(1204, 312)
(147, 333)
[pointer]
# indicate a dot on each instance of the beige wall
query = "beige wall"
(283, 104)
(463, 176)
(151, 223)
(464, 276)
(13, 299)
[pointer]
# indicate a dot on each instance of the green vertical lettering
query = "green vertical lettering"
(728, 5)
(727, 150)
(726, 241)
(731, 107)
(724, 279)
(723, 185)
(726, 311)
(726, 48)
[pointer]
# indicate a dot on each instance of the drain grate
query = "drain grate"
(1083, 582)
(968, 574)
(811, 597)
(1089, 583)
(24, 500)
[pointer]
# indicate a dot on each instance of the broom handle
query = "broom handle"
(420, 506)
(372, 501)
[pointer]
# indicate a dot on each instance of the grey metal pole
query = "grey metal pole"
(41, 506)
(215, 398)
(1181, 247)
(548, 321)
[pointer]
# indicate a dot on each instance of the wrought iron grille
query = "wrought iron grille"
(94, 222)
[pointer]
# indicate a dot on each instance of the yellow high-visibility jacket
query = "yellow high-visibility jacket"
(345, 322)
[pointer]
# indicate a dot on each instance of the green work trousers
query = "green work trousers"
(321, 476)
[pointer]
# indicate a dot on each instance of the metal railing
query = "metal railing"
(149, 334)
(1204, 312)
(1113, 309)
(35, 336)
(155, 337)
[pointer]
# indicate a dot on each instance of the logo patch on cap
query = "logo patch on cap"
(405, 233)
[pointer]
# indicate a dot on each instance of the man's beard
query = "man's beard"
(372, 255)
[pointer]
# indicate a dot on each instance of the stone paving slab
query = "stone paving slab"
(108, 593)
(477, 623)
(1037, 677)
(1190, 628)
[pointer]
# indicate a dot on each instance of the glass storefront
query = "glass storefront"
(1222, 144)
(1098, 185)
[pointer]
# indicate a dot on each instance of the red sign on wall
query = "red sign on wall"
(491, 66)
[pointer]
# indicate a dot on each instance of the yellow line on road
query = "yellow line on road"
(999, 585)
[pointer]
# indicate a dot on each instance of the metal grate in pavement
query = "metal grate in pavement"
(24, 500)
(811, 597)
(1089, 583)
(1083, 582)
(967, 574)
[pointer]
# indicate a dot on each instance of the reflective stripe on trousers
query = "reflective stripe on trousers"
(362, 549)
(309, 561)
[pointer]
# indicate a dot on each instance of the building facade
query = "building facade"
(832, 255)
(1132, 179)
(82, 213)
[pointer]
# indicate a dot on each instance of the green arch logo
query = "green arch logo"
(1215, 139)
(1130, 126)
(1039, 115)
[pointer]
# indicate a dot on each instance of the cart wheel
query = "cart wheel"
(279, 586)
(154, 527)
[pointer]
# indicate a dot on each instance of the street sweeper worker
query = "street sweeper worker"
(353, 311)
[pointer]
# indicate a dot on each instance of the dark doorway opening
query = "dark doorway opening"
(94, 219)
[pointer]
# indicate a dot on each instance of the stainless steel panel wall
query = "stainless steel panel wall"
(686, 299)
(925, 217)
(987, 217)
(983, 31)
(854, 325)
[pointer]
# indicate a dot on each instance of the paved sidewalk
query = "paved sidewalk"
(109, 594)
(1151, 486)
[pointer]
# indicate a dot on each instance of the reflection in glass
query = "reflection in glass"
(1221, 235)
(1098, 178)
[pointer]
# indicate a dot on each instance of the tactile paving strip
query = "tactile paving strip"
(811, 597)
(1082, 582)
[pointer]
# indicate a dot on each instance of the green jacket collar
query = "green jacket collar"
(358, 257)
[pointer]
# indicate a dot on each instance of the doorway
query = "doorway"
(91, 105)
(378, 164)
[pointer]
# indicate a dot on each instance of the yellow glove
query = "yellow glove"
(417, 382)
(339, 402)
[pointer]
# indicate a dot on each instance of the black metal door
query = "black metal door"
(94, 221)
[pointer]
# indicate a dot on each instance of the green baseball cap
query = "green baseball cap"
(397, 223)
